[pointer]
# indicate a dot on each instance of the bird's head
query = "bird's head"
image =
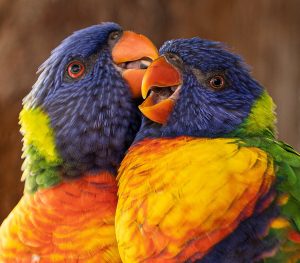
(199, 88)
(86, 94)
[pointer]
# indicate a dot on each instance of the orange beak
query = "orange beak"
(163, 75)
(133, 47)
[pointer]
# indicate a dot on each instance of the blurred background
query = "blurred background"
(265, 32)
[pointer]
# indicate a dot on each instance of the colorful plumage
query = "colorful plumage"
(77, 122)
(205, 179)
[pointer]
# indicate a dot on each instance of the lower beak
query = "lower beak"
(133, 47)
(159, 112)
(163, 75)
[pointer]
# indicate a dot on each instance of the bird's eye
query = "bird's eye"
(76, 69)
(114, 35)
(172, 58)
(217, 82)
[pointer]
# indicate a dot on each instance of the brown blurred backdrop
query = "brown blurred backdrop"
(265, 32)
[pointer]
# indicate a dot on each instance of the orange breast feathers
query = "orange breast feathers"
(71, 222)
(179, 197)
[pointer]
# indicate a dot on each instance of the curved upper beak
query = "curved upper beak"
(160, 74)
(133, 53)
(163, 80)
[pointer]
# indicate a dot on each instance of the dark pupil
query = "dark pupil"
(217, 82)
(75, 68)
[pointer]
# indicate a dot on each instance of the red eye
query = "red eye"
(75, 69)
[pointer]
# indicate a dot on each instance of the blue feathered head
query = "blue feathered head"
(199, 88)
(87, 88)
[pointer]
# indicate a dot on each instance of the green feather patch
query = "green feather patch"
(261, 119)
(42, 162)
(287, 165)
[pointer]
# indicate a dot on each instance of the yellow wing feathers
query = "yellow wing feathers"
(179, 197)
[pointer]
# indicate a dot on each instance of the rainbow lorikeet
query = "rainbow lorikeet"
(206, 180)
(77, 123)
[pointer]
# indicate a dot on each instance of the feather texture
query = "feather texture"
(76, 130)
(287, 227)
(74, 221)
(210, 183)
(180, 197)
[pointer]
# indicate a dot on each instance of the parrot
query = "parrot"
(206, 180)
(77, 122)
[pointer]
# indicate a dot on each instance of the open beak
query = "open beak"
(132, 54)
(161, 86)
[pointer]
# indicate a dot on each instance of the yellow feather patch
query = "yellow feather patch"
(179, 197)
(35, 127)
(280, 222)
(283, 199)
(262, 114)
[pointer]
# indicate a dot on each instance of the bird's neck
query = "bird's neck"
(260, 122)
(42, 161)
(44, 165)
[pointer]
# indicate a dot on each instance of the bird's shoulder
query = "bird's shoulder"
(190, 154)
(177, 184)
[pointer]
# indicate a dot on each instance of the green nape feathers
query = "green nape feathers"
(41, 158)
(261, 118)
